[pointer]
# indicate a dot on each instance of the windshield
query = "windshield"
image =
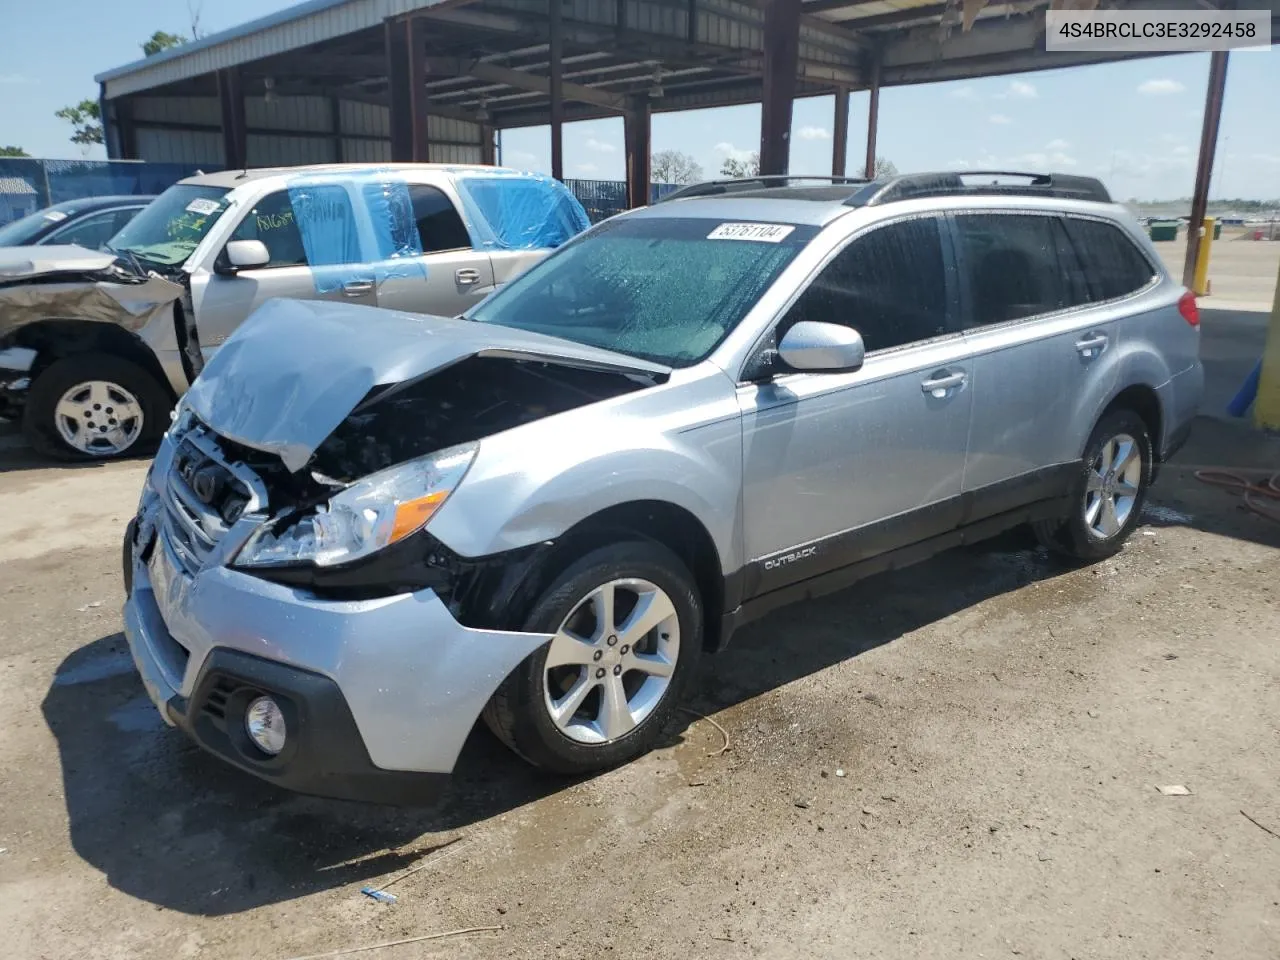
(24, 231)
(665, 290)
(173, 224)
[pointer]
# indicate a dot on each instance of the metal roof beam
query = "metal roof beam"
(493, 73)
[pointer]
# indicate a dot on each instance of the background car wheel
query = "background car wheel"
(94, 406)
(627, 625)
(1108, 495)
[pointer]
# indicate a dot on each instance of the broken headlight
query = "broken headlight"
(367, 516)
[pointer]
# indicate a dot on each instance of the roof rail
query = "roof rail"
(960, 183)
(712, 188)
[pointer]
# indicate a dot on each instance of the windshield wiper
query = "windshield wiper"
(132, 257)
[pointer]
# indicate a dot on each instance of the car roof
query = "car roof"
(236, 178)
(762, 206)
(89, 204)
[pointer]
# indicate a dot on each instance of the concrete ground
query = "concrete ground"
(956, 760)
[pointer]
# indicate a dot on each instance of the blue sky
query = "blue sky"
(1135, 124)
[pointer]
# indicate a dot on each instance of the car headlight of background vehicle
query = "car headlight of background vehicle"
(371, 514)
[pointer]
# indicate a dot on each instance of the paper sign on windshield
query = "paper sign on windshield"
(202, 206)
(759, 232)
(53, 216)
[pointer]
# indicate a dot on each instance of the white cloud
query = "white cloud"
(958, 164)
(1021, 90)
(599, 146)
(13, 78)
(1057, 145)
(1160, 87)
(1000, 118)
(963, 93)
(1181, 151)
(585, 168)
(736, 153)
(815, 133)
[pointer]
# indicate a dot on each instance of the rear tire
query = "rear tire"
(613, 689)
(119, 409)
(1108, 494)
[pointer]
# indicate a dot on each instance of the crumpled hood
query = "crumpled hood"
(20, 263)
(296, 368)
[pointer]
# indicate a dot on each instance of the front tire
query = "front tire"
(1108, 495)
(94, 406)
(627, 625)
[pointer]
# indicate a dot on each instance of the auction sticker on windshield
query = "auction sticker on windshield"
(759, 232)
(203, 206)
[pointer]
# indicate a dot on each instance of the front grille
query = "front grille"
(203, 496)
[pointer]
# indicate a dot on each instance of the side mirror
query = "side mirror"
(814, 347)
(245, 254)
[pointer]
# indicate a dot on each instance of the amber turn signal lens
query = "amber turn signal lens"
(412, 514)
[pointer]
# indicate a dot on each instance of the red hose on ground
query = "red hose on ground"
(1250, 491)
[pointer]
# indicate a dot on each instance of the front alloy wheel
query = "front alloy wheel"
(99, 418)
(626, 623)
(611, 661)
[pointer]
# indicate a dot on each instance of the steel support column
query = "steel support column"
(335, 121)
(840, 134)
(488, 151)
(557, 92)
(234, 138)
(636, 125)
(781, 59)
(873, 117)
(406, 56)
(1204, 166)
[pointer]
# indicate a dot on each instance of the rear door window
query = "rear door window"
(1113, 265)
(1013, 266)
(439, 226)
(91, 232)
(888, 284)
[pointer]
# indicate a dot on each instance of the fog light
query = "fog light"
(264, 723)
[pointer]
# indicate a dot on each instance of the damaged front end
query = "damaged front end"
(72, 285)
(361, 441)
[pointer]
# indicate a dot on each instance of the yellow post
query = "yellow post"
(1266, 408)
(1201, 285)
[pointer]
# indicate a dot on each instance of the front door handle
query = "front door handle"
(939, 385)
(466, 276)
(1092, 345)
(357, 288)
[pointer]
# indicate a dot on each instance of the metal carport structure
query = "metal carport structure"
(432, 80)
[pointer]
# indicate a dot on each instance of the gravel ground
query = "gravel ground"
(957, 760)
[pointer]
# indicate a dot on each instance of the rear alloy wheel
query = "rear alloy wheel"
(1109, 491)
(626, 627)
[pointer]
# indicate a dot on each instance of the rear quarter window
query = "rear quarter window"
(1113, 264)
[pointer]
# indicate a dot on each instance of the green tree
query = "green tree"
(672, 166)
(749, 167)
(13, 152)
(163, 41)
(86, 118)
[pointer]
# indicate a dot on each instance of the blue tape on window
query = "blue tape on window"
(328, 210)
(519, 211)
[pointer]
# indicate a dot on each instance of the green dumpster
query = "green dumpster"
(1163, 230)
(1217, 229)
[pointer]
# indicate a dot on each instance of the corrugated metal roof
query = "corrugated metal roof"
(289, 29)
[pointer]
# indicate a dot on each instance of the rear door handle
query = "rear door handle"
(1092, 345)
(938, 386)
(357, 288)
(466, 276)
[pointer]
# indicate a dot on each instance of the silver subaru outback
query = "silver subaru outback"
(365, 529)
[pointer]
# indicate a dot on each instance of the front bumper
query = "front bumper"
(379, 695)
